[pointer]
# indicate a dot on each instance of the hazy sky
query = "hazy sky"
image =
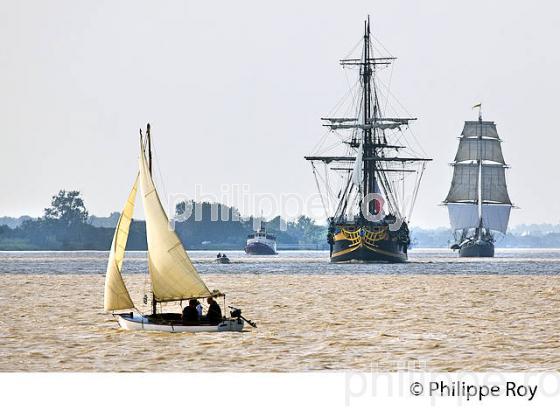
(235, 89)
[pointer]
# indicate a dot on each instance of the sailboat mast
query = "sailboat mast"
(149, 137)
(479, 187)
(367, 146)
(149, 140)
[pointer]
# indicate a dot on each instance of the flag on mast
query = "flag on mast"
(477, 106)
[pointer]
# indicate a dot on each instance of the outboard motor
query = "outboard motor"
(236, 313)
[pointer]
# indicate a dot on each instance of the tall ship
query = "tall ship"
(478, 201)
(260, 242)
(365, 166)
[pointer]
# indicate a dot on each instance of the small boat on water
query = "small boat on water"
(173, 276)
(260, 242)
(223, 259)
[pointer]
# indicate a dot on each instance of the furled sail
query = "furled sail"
(357, 171)
(480, 128)
(465, 216)
(490, 150)
(171, 270)
(116, 295)
(380, 125)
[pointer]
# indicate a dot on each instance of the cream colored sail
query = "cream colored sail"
(172, 272)
(116, 294)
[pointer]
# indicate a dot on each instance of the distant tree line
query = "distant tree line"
(67, 225)
(64, 226)
(218, 226)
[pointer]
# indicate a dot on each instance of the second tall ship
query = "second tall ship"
(369, 175)
(478, 201)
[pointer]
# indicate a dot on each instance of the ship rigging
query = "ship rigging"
(369, 176)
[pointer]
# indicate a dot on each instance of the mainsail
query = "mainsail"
(172, 272)
(478, 196)
(464, 216)
(116, 295)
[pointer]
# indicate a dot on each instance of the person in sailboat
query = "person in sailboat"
(214, 314)
(190, 313)
(199, 308)
(219, 255)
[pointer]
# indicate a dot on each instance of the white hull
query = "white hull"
(139, 322)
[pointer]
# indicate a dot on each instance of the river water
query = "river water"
(435, 313)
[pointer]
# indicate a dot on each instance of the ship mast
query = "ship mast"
(372, 147)
(479, 187)
(368, 149)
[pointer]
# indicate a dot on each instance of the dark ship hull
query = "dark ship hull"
(356, 243)
(259, 249)
(477, 249)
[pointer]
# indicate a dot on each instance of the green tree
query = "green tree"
(67, 208)
(308, 231)
(305, 223)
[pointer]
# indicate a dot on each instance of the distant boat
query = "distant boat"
(478, 201)
(223, 259)
(173, 276)
(368, 187)
(260, 242)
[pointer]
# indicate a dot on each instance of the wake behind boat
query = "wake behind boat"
(173, 276)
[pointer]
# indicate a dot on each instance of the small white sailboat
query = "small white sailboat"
(173, 276)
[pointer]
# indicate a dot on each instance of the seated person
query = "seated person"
(214, 315)
(190, 314)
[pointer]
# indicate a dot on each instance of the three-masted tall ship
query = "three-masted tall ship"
(368, 177)
(478, 201)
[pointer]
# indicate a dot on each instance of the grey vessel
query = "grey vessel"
(478, 201)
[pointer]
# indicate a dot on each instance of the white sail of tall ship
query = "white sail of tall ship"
(478, 201)
(173, 276)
